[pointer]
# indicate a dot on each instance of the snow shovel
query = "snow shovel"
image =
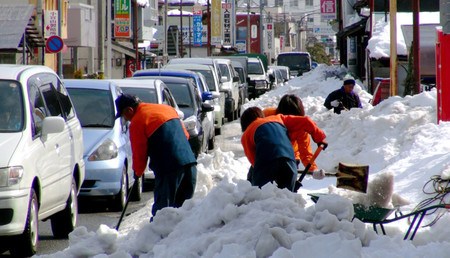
(351, 177)
(126, 204)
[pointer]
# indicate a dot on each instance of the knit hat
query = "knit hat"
(349, 81)
(124, 101)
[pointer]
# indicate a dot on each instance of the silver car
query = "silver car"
(150, 91)
(107, 148)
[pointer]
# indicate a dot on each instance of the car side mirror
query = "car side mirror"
(215, 94)
(236, 79)
(206, 107)
(207, 96)
(53, 124)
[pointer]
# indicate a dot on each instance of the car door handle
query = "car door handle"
(57, 149)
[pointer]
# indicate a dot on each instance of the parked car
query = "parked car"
(230, 86)
(202, 89)
(187, 96)
(275, 78)
(285, 71)
(213, 84)
(298, 62)
(243, 84)
(150, 91)
(41, 166)
(204, 92)
(258, 80)
(107, 148)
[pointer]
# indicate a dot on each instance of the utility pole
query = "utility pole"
(165, 56)
(135, 35)
(261, 27)
(58, 55)
(181, 28)
(393, 46)
(108, 39)
(248, 28)
(416, 44)
(208, 44)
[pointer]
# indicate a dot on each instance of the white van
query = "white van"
(230, 86)
(41, 166)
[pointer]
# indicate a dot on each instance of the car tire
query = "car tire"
(121, 198)
(65, 221)
(211, 143)
(136, 191)
(25, 245)
(218, 131)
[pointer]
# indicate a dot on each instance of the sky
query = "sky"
(399, 139)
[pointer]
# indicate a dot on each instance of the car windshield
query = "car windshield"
(145, 94)
(209, 78)
(183, 97)
(255, 68)
(94, 107)
(11, 107)
(294, 61)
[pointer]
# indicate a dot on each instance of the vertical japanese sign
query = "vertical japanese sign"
(226, 11)
(198, 26)
(328, 9)
(51, 23)
(122, 23)
(216, 24)
(269, 30)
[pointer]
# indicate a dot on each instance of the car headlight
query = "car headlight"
(107, 150)
(190, 124)
(10, 176)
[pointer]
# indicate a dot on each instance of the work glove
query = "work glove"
(324, 145)
(335, 103)
(318, 174)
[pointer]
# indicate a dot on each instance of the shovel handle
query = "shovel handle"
(316, 153)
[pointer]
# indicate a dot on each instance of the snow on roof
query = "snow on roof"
(379, 43)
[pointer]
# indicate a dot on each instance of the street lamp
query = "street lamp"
(300, 28)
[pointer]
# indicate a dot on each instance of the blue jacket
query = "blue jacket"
(348, 100)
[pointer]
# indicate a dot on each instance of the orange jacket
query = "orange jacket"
(297, 127)
(147, 119)
(302, 146)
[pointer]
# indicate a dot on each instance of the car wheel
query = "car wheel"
(136, 192)
(211, 143)
(25, 245)
(121, 198)
(218, 131)
(65, 221)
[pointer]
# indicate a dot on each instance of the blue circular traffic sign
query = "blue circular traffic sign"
(54, 44)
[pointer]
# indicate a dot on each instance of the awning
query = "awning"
(353, 29)
(15, 21)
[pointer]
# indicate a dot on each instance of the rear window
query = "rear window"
(145, 94)
(255, 68)
(295, 61)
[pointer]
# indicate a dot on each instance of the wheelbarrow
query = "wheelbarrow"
(379, 216)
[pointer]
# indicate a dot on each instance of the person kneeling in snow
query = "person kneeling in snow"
(344, 98)
(290, 104)
(267, 145)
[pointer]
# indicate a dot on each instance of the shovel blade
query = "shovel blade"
(352, 177)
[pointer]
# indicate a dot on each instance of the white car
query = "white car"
(212, 81)
(41, 166)
(230, 85)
